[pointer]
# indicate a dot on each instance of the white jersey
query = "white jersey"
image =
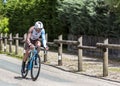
(35, 35)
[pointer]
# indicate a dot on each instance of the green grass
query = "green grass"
(19, 55)
(12, 54)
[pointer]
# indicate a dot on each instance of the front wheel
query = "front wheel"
(24, 74)
(36, 68)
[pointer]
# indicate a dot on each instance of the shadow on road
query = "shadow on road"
(21, 78)
(77, 72)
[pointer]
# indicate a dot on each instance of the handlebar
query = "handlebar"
(41, 48)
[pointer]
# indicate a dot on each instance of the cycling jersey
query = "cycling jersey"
(35, 35)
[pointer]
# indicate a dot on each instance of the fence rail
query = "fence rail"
(111, 46)
(89, 48)
(66, 42)
(8, 39)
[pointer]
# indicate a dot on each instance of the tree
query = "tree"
(4, 25)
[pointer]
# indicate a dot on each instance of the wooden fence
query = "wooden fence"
(58, 43)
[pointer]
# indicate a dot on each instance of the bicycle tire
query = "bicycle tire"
(32, 70)
(26, 71)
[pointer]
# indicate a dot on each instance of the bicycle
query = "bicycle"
(33, 64)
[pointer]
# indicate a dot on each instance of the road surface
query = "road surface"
(49, 76)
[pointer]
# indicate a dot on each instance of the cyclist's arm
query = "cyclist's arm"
(43, 38)
(29, 35)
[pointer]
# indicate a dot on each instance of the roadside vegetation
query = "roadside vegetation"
(77, 17)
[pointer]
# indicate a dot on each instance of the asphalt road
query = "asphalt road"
(49, 76)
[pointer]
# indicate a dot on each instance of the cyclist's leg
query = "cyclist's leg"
(26, 54)
(24, 60)
(38, 44)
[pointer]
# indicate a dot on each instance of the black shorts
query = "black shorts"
(32, 41)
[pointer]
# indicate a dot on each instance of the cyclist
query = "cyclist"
(32, 40)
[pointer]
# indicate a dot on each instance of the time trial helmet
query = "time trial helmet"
(38, 25)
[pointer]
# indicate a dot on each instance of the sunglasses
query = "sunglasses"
(38, 28)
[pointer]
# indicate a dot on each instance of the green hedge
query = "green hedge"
(78, 17)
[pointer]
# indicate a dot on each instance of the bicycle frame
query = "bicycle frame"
(32, 57)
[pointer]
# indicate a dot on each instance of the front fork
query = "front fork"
(30, 63)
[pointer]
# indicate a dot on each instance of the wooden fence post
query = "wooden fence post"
(1, 41)
(5, 42)
(45, 52)
(60, 51)
(10, 43)
(17, 43)
(80, 55)
(105, 59)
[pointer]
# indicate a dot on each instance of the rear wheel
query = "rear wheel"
(36, 68)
